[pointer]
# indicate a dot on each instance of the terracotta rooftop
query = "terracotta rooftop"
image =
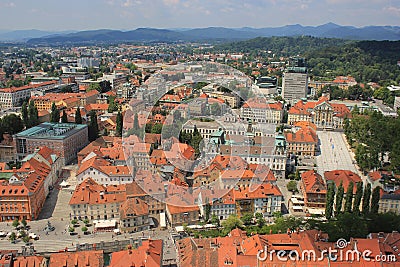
(313, 182)
(149, 254)
(133, 206)
(93, 258)
(344, 176)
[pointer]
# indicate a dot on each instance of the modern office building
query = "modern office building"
(65, 139)
(295, 80)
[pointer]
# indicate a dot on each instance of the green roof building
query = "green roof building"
(65, 139)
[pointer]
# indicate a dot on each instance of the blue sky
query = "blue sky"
(131, 14)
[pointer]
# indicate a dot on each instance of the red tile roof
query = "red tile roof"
(149, 254)
(345, 176)
(90, 192)
(134, 206)
(304, 135)
(31, 261)
(92, 258)
(313, 182)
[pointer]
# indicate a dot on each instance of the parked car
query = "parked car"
(33, 236)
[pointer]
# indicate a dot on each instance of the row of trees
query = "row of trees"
(352, 203)
(355, 92)
(193, 139)
(373, 137)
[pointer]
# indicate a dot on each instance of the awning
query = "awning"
(104, 223)
(64, 184)
(315, 211)
(297, 208)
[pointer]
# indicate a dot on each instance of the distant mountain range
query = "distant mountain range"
(329, 30)
(25, 35)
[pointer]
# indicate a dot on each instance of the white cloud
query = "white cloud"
(171, 2)
(393, 10)
(127, 3)
(10, 4)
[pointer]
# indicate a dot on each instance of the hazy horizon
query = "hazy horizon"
(50, 15)
(183, 29)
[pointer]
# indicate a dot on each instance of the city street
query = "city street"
(335, 154)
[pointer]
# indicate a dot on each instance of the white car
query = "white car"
(3, 234)
(33, 236)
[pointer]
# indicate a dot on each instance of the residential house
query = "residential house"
(103, 172)
(22, 197)
(314, 190)
(92, 258)
(258, 110)
(94, 201)
(134, 215)
(342, 176)
(265, 199)
(390, 202)
(302, 142)
(148, 254)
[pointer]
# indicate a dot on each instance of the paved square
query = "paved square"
(334, 153)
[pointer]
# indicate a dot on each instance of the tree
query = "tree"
(94, 86)
(292, 186)
(71, 229)
(55, 113)
(375, 200)
(33, 114)
(64, 118)
(26, 238)
(346, 226)
(231, 223)
(24, 223)
(339, 199)
(357, 198)
(84, 229)
(74, 221)
(157, 128)
(349, 198)
(12, 124)
(112, 106)
(207, 211)
(260, 219)
(330, 197)
(395, 156)
(24, 113)
(215, 220)
(196, 140)
(366, 199)
(119, 126)
(136, 122)
(13, 237)
(78, 117)
(247, 219)
(93, 127)
(15, 223)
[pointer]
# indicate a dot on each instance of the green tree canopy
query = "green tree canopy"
(119, 126)
(55, 113)
(78, 117)
(231, 223)
(11, 124)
